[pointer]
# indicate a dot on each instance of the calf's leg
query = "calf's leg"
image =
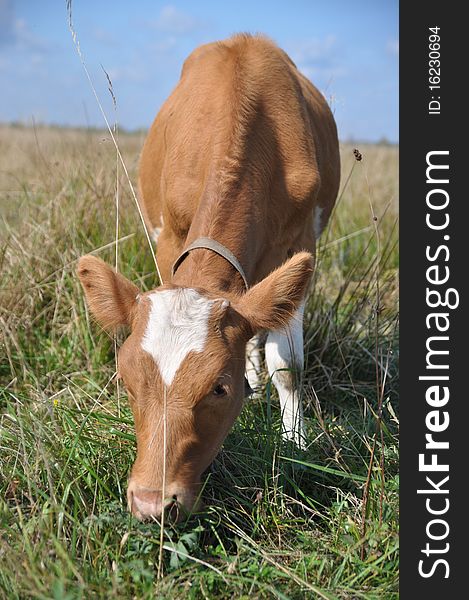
(284, 355)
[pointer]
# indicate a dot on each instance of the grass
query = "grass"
(281, 523)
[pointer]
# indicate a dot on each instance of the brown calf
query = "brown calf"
(242, 166)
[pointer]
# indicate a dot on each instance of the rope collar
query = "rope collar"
(216, 247)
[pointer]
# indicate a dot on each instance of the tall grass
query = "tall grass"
(280, 522)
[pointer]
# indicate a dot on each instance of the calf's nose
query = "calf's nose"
(180, 501)
(147, 504)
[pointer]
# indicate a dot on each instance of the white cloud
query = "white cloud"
(23, 36)
(23, 39)
(174, 21)
(131, 73)
(104, 37)
(15, 33)
(314, 72)
(315, 50)
(317, 58)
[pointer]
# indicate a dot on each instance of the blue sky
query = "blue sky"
(348, 48)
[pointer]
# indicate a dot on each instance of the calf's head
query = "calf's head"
(183, 367)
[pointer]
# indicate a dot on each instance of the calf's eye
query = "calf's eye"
(219, 390)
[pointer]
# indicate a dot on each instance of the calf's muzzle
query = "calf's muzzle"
(146, 504)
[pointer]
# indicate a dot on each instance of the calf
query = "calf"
(238, 176)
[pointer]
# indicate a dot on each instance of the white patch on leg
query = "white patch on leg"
(284, 355)
(318, 221)
(254, 362)
(177, 325)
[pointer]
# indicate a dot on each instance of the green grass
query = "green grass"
(280, 522)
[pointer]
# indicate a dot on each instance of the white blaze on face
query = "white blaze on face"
(177, 325)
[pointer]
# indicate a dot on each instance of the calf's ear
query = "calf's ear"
(272, 302)
(111, 297)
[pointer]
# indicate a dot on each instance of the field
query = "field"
(280, 522)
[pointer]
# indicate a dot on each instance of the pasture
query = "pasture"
(280, 522)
